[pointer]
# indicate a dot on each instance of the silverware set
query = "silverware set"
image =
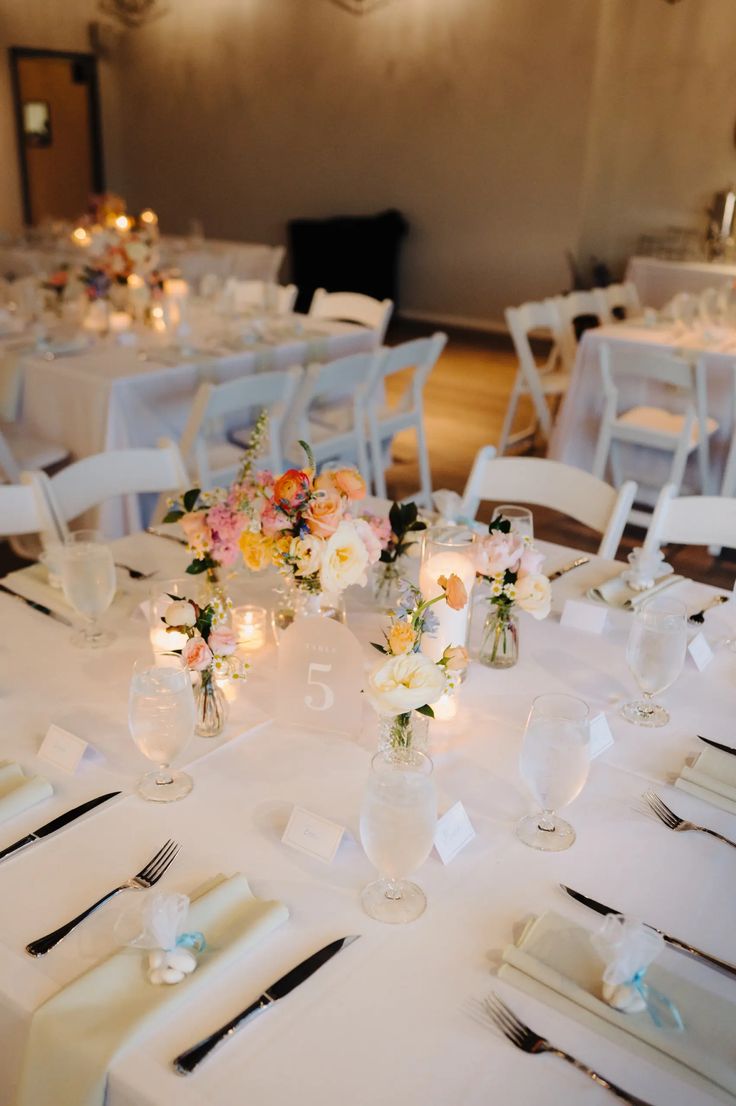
(674, 822)
(577, 563)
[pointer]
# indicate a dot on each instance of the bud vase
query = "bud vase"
(403, 732)
(386, 585)
(499, 646)
(294, 601)
(210, 706)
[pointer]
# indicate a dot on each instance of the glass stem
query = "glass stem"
(546, 821)
(92, 629)
(392, 888)
(164, 777)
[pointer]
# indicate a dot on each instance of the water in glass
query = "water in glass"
(161, 720)
(655, 654)
(88, 580)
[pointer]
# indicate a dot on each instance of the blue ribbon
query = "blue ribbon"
(661, 1010)
(193, 941)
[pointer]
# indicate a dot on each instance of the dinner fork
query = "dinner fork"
(135, 573)
(674, 822)
(528, 1041)
(149, 875)
(698, 618)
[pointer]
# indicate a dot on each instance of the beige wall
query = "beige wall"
(506, 130)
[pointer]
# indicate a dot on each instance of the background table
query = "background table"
(391, 1020)
(658, 280)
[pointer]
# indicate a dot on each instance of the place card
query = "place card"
(312, 834)
(320, 676)
(452, 832)
(578, 615)
(62, 749)
(601, 737)
(700, 651)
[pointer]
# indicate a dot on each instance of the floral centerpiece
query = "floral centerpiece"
(117, 247)
(406, 683)
(395, 534)
(511, 564)
(210, 651)
(57, 284)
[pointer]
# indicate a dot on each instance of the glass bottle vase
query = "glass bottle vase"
(499, 645)
(210, 706)
(403, 732)
(386, 585)
(293, 601)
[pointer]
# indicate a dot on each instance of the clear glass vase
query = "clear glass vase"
(210, 706)
(499, 645)
(386, 585)
(403, 732)
(293, 601)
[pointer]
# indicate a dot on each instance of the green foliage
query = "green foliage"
(174, 516)
(404, 520)
(426, 710)
(197, 567)
(501, 524)
(310, 456)
(190, 499)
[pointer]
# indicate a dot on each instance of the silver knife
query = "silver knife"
(717, 745)
(187, 1061)
(37, 606)
(568, 568)
(56, 823)
(681, 946)
(162, 534)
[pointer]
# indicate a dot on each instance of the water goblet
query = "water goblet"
(655, 654)
(521, 519)
(554, 764)
(397, 824)
(88, 580)
(161, 718)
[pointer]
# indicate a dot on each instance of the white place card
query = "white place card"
(700, 651)
(453, 832)
(601, 737)
(62, 748)
(313, 834)
(578, 615)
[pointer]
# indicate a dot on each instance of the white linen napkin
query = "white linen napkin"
(617, 593)
(75, 1036)
(711, 776)
(555, 961)
(19, 792)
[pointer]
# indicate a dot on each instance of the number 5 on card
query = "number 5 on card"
(320, 676)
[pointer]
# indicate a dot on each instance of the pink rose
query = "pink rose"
(369, 539)
(381, 527)
(324, 514)
(197, 654)
(531, 561)
(222, 642)
(196, 530)
(497, 553)
(273, 520)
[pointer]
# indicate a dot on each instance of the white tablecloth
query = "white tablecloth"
(658, 280)
(575, 434)
(390, 1020)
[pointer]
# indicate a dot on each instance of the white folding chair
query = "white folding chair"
(353, 307)
(262, 295)
(344, 440)
(20, 448)
(386, 418)
(87, 483)
(692, 520)
(549, 379)
(551, 484)
(618, 301)
(579, 311)
(214, 456)
(19, 510)
(654, 427)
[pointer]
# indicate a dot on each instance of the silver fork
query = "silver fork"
(135, 573)
(698, 618)
(674, 822)
(149, 875)
(526, 1039)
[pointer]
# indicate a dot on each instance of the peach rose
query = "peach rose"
(325, 482)
(324, 514)
(197, 654)
(291, 489)
(222, 641)
(456, 658)
(401, 638)
(256, 550)
(349, 482)
(454, 589)
(196, 530)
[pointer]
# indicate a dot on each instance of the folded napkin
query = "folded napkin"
(617, 593)
(711, 776)
(554, 960)
(75, 1036)
(19, 792)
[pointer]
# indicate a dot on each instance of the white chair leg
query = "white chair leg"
(379, 473)
(508, 421)
(704, 462)
(679, 459)
(728, 487)
(425, 473)
(602, 450)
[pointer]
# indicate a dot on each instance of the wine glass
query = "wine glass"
(554, 764)
(521, 519)
(655, 653)
(397, 824)
(161, 718)
(88, 580)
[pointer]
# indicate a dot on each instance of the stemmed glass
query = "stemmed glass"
(161, 718)
(655, 653)
(554, 764)
(397, 824)
(521, 519)
(88, 580)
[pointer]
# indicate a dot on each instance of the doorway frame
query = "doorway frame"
(15, 54)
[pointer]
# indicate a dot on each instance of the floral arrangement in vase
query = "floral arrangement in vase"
(511, 564)
(57, 283)
(209, 651)
(406, 682)
(395, 534)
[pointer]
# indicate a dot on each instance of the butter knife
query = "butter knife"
(187, 1061)
(56, 824)
(717, 745)
(37, 606)
(682, 946)
(568, 568)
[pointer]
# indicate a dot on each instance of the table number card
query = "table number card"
(63, 749)
(320, 676)
(312, 834)
(583, 616)
(453, 832)
(700, 651)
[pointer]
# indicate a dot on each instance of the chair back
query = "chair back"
(692, 520)
(620, 359)
(553, 484)
(415, 359)
(19, 511)
(261, 294)
(214, 404)
(522, 322)
(353, 307)
(9, 467)
(618, 301)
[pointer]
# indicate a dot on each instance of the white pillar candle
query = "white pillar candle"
(447, 551)
(164, 642)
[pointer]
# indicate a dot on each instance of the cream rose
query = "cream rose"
(197, 654)
(401, 684)
(534, 595)
(344, 560)
(531, 561)
(180, 613)
(307, 554)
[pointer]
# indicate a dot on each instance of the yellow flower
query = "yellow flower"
(401, 638)
(256, 550)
